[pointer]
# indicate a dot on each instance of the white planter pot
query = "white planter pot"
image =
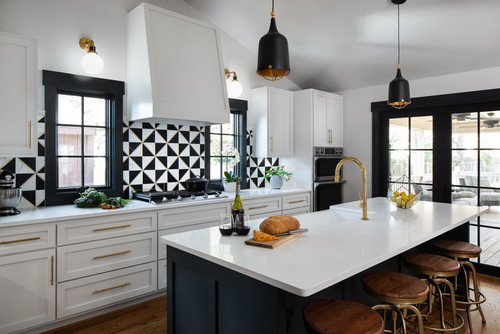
(276, 181)
(230, 187)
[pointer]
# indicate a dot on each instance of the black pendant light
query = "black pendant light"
(273, 62)
(399, 88)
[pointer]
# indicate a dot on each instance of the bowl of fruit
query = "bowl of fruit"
(404, 193)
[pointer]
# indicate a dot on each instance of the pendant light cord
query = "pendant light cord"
(399, 47)
(273, 5)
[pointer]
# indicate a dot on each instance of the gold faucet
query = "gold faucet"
(363, 171)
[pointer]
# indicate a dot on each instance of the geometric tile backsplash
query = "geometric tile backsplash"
(155, 156)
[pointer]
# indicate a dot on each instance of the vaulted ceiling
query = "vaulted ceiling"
(337, 45)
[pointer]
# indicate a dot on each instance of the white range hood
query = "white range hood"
(175, 71)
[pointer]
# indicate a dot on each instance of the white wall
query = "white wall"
(358, 118)
(58, 25)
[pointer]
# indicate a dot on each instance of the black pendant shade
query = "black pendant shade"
(273, 62)
(399, 91)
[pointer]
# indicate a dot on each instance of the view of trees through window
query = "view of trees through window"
(82, 141)
(222, 137)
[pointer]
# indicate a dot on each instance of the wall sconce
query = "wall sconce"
(234, 87)
(91, 62)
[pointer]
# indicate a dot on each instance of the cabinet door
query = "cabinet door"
(280, 118)
(18, 68)
(27, 290)
(334, 120)
(320, 111)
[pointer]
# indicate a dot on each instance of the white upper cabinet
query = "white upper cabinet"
(18, 95)
(174, 68)
(327, 119)
(272, 115)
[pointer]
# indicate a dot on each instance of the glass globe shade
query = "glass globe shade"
(234, 88)
(92, 63)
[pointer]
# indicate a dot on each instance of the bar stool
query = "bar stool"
(437, 268)
(340, 316)
(459, 251)
(401, 292)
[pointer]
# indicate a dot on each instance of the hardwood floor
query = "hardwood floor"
(151, 317)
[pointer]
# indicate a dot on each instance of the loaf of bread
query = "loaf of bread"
(279, 224)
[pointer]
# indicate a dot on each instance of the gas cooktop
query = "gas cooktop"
(164, 197)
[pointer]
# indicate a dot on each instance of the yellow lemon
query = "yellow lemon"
(393, 198)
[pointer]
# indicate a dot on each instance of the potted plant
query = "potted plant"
(277, 175)
(229, 176)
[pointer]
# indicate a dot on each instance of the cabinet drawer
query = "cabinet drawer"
(191, 215)
(296, 201)
(100, 290)
(21, 239)
(296, 211)
(262, 205)
(162, 248)
(162, 274)
(95, 257)
(82, 230)
(265, 215)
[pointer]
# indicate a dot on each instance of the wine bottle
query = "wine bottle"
(238, 210)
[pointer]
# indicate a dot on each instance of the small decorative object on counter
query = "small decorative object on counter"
(240, 219)
(404, 193)
(114, 203)
(90, 198)
(232, 158)
(277, 175)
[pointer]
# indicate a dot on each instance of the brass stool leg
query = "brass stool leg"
(476, 289)
(417, 313)
(394, 313)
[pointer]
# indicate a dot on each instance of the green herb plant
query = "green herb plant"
(90, 198)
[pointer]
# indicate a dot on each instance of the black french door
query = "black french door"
(449, 146)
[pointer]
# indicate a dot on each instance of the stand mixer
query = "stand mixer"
(10, 196)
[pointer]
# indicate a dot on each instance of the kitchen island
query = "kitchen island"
(220, 285)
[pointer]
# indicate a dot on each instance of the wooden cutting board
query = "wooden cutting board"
(271, 243)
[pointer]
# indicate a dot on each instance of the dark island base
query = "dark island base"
(204, 297)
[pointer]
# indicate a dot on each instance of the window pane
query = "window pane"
(95, 171)
(421, 132)
(69, 140)
(464, 170)
(227, 140)
(490, 129)
(228, 127)
(69, 109)
(464, 196)
(215, 128)
(69, 172)
(490, 168)
(398, 133)
(398, 164)
(215, 168)
(215, 145)
(94, 112)
(95, 141)
(464, 130)
(421, 166)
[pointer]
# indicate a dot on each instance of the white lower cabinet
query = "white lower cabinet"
(162, 274)
(104, 255)
(297, 211)
(88, 293)
(27, 288)
(262, 207)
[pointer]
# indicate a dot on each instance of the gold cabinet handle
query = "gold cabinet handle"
(258, 207)
(52, 270)
(272, 144)
(293, 202)
(111, 288)
(108, 255)
(31, 133)
(20, 240)
(110, 228)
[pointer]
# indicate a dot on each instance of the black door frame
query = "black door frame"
(441, 107)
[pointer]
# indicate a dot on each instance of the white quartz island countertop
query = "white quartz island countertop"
(338, 245)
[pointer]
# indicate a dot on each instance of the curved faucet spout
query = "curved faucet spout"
(363, 203)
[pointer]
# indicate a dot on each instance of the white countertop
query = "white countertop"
(338, 245)
(57, 213)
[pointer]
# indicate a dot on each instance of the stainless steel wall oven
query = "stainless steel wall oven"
(326, 191)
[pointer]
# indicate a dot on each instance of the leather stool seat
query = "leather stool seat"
(458, 249)
(395, 286)
(431, 264)
(340, 316)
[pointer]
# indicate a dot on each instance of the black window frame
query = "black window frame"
(63, 83)
(238, 110)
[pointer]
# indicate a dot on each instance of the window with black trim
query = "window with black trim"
(84, 118)
(220, 138)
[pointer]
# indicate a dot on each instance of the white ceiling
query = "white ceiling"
(337, 45)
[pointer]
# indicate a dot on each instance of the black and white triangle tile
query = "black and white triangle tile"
(161, 156)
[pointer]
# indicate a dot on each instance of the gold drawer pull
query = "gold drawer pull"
(258, 207)
(293, 202)
(20, 240)
(31, 134)
(110, 228)
(51, 270)
(113, 287)
(108, 255)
